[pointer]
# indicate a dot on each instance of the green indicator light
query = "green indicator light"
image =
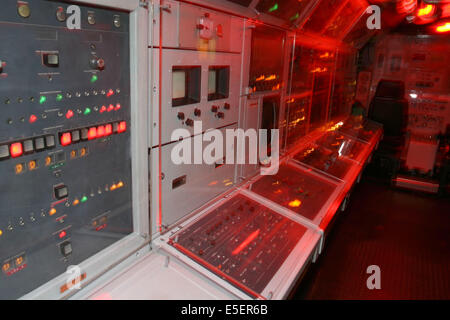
(295, 17)
(59, 97)
(94, 78)
(43, 99)
(87, 111)
(84, 199)
(275, 7)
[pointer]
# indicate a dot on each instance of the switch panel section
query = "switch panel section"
(242, 242)
(191, 185)
(198, 86)
(65, 155)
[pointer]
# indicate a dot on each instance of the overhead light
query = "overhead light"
(445, 27)
(413, 95)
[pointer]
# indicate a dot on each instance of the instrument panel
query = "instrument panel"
(65, 150)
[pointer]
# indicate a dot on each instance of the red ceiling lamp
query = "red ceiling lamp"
(443, 27)
(406, 6)
(426, 13)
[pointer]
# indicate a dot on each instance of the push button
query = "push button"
(75, 136)
(61, 192)
(28, 146)
(84, 134)
(66, 248)
(39, 144)
(4, 152)
(16, 149)
(50, 141)
(51, 60)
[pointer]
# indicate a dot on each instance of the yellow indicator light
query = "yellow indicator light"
(48, 161)
(19, 261)
(52, 211)
(76, 202)
(73, 154)
(120, 185)
(32, 165)
(295, 203)
(1, 232)
(6, 267)
(83, 152)
(113, 187)
(19, 168)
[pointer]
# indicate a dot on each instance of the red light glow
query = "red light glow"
(32, 119)
(103, 109)
(69, 114)
(100, 131)
(108, 130)
(62, 234)
(110, 108)
(425, 11)
(110, 93)
(66, 139)
(16, 150)
(246, 242)
(122, 127)
(443, 27)
(92, 133)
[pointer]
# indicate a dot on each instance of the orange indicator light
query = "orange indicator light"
(52, 211)
(295, 203)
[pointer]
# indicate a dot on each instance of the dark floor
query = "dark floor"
(406, 234)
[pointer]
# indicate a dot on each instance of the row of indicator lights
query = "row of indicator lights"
(59, 97)
(17, 149)
(52, 211)
(14, 265)
(92, 133)
(70, 113)
(33, 164)
(85, 198)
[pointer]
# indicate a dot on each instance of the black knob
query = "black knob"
(197, 112)
(227, 106)
(189, 122)
(220, 115)
(180, 115)
(1, 66)
(214, 109)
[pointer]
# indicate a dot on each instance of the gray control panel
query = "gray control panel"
(65, 159)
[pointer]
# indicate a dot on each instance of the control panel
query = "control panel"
(363, 130)
(65, 157)
(343, 145)
(241, 241)
(325, 160)
(297, 190)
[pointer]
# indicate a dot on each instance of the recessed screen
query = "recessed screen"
(218, 82)
(178, 84)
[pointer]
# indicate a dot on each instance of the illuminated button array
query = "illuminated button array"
(28, 146)
(92, 133)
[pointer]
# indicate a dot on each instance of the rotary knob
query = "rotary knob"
(197, 112)
(227, 106)
(180, 115)
(220, 115)
(98, 63)
(214, 109)
(1, 66)
(189, 122)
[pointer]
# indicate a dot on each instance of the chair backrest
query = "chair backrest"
(390, 108)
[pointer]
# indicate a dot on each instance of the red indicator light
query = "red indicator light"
(118, 106)
(16, 150)
(103, 109)
(245, 243)
(108, 130)
(33, 118)
(100, 131)
(92, 133)
(110, 108)
(62, 234)
(122, 127)
(110, 93)
(66, 139)
(69, 114)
